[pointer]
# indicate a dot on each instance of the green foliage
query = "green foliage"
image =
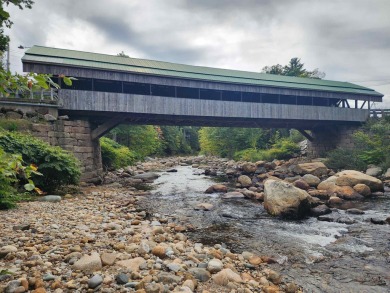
(283, 148)
(115, 155)
(13, 174)
(226, 141)
(141, 139)
(57, 166)
(15, 124)
(178, 140)
(372, 146)
(294, 68)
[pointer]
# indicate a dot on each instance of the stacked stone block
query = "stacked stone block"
(329, 138)
(74, 136)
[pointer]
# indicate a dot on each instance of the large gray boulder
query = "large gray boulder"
(283, 199)
(314, 168)
(149, 176)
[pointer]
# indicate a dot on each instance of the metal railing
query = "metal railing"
(42, 95)
(377, 113)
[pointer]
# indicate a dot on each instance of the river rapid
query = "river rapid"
(319, 256)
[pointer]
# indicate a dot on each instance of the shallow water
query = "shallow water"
(320, 256)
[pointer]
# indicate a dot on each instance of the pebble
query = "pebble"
(122, 278)
(95, 281)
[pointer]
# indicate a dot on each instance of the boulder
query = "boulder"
(387, 174)
(312, 180)
(89, 263)
(352, 177)
(204, 206)
(216, 188)
(244, 180)
(313, 168)
(51, 198)
(149, 176)
(328, 184)
(362, 189)
(249, 168)
(374, 171)
(284, 199)
(214, 266)
(347, 192)
(320, 210)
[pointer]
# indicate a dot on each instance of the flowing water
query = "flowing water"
(319, 256)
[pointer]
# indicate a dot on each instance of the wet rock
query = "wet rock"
(225, 276)
(200, 274)
(377, 221)
(314, 168)
(352, 177)
(122, 278)
(245, 181)
(95, 281)
(216, 188)
(233, 194)
(51, 198)
(301, 184)
(173, 170)
(312, 180)
(362, 189)
(346, 220)
(283, 199)
(354, 211)
(387, 174)
(22, 227)
(320, 210)
(89, 263)
(149, 176)
(204, 206)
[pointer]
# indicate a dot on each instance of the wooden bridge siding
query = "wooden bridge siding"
(140, 104)
(143, 78)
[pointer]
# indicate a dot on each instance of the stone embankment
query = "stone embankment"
(100, 241)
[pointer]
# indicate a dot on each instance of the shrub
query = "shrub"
(340, 158)
(15, 124)
(12, 174)
(57, 165)
(283, 149)
(115, 155)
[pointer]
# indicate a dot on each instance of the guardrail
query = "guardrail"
(43, 95)
(375, 113)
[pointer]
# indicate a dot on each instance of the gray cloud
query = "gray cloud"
(348, 39)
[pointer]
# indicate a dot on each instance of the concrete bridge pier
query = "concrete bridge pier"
(327, 138)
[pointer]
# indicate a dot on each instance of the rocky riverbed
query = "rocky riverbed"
(102, 241)
(177, 238)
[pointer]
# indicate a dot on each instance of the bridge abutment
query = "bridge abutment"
(328, 138)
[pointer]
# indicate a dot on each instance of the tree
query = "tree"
(294, 68)
(122, 54)
(5, 20)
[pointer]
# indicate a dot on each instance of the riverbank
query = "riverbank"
(101, 241)
(120, 237)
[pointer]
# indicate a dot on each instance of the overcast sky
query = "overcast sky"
(349, 40)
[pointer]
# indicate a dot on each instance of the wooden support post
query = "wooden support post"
(356, 104)
(364, 103)
(346, 102)
(106, 127)
(305, 134)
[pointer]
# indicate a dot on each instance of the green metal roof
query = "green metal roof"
(63, 57)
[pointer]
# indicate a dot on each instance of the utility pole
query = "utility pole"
(8, 58)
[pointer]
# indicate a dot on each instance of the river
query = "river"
(319, 256)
